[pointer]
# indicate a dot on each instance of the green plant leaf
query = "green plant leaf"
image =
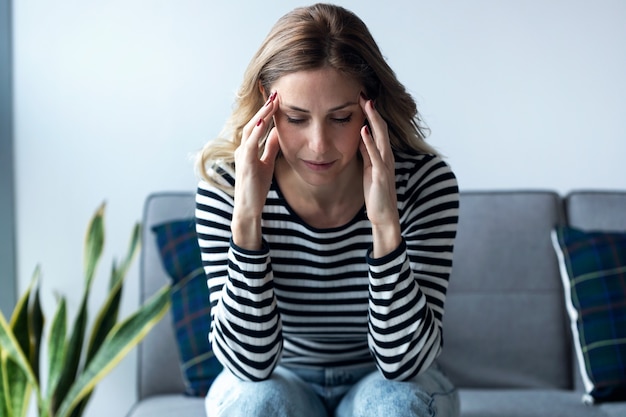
(5, 397)
(10, 349)
(17, 388)
(56, 348)
(19, 318)
(109, 312)
(69, 371)
(36, 322)
(94, 244)
(105, 321)
(107, 316)
(123, 337)
(23, 325)
(133, 249)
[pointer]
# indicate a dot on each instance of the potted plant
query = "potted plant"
(75, 363)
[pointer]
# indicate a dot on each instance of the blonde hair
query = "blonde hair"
(310, 38)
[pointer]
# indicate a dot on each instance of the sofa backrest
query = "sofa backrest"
(596, 210)
(157, 356)
(505, 322)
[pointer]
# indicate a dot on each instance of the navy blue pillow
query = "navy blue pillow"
(593, 271)
(191, 312)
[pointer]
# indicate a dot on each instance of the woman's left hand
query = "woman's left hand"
(379, 181)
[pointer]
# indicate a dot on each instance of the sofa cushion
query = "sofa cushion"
(529, 403)
(593, 270)
(169, 406)
(613, 409)
(180, 254)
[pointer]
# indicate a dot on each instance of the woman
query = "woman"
(326, 225)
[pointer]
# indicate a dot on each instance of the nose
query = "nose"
(319, 141)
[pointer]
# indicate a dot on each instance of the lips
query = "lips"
(318, 166)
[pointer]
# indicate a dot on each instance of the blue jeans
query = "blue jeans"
(343, 392)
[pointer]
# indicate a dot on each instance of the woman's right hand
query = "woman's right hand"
(253, 176)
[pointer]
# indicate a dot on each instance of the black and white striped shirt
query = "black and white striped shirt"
(315, 297)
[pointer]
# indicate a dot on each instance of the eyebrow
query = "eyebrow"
(340, 107)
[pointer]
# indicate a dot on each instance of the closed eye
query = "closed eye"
(343, 120)
(339, 120)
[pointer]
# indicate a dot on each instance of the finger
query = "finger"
(378, 125)
(272, 147)
(257, 127)
(251, 142)
(369, 150)
(367, 162)
(265, 112)
(372, 115)
(380, 132)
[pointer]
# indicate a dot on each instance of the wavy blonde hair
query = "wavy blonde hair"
(308, 38)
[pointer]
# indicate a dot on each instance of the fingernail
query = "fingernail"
(259, 122)
(273, 96)
(270, 99)
(367, 130)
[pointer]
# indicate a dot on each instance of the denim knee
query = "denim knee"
(428, 395)
(282, 395)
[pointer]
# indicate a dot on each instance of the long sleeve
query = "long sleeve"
(408, 286)
(245, 327)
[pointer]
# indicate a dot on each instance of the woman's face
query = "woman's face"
(318, 123)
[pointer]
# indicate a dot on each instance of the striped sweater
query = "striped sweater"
(315, 297)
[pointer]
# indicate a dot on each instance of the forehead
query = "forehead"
(326, 83)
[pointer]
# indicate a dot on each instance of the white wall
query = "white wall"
(111, 98)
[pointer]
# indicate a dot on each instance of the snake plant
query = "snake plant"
(77, 361)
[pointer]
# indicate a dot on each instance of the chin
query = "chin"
(318, 179)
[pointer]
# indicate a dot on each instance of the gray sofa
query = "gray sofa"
(508, 344)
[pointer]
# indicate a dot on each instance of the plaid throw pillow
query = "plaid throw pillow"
(180, 254)
(593, 270)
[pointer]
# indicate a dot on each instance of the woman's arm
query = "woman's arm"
(245, 328)
(408, 286)
(412, 204)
